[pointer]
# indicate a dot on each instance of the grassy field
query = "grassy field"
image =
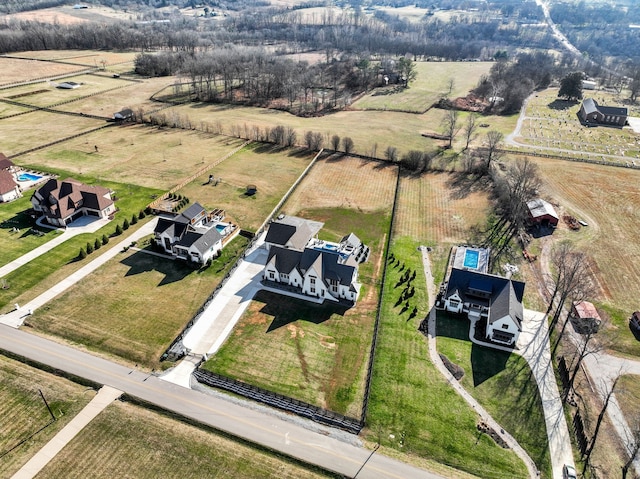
(273, 170)
(7, 109)
(23, 413)
(15, 244)
(89, 58)
(431, 84)
(412, 408)
(316, 353)
(628, 394)
(15, 69)
(609, 241)
(128, 441)
(37, 128)
(554, 123)
(136, 154)
(33, 278)
(502, 383)
(135, 305)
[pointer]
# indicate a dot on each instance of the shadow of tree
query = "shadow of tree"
(559, 104)
(286, 310)
(463, 184)
(173, 271)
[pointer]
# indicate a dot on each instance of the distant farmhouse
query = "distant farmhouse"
(68, 85)
(62, 202)
(542, 213)
(193, 235)
(482, 296)
(301, 264)
(593, 114)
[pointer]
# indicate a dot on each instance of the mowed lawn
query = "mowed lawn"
(14, 244)
(136, 154)
(133, 306)
(412, 408)
(431, 84)
(607, 198)
(129, 441)
(271, 169)
(318, 353)
(23, 413)
(502, 383)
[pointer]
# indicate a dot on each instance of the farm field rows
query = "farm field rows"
(609, 240)
(133, 306)
(318, 353)
(23, 412)
(271, 169)
(430, 85)
(128, 441)
(135, 154)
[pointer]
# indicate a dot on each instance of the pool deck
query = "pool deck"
(463, 254)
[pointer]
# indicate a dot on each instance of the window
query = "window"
(333, 284)
(505, 326)
(272, 275)
(312, 284)
(284, 277)
(454, 302)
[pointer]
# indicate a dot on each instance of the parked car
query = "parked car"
(569, 472)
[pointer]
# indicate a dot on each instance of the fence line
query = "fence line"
(376, 326)
(603, 162)
(279, 401)
(61, 140)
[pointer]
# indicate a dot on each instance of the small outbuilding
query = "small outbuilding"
(68, 85)
(123, 115)
(542, 213)
(251, 190)
(584, 317)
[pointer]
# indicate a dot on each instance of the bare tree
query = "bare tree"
(308, 140)
(335, 142)
(451, 84)
(633, 446)
(450, 125)
(469, 129)
(347, 145)
(391, 153)
(592, 443)
(494, 142)
(588, 347)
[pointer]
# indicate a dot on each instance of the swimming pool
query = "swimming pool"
(471, 258)
(220, 227)
(28, 177)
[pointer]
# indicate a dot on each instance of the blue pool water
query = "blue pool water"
(471, 259)
(220, 227)
(28, 177)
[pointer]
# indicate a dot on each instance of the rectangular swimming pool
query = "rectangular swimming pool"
(471, 258)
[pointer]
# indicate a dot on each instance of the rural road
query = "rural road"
(249, 424)
(558, 35)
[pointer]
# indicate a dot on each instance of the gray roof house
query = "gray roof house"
(188, 236)
(593, 114)
(490, 297)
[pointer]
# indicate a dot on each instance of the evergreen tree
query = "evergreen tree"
(82, 254)
(89, 248)
(105, 239)
(97, 244)
(134, 219)
(118, 230)
(125, 224)
(571, 86)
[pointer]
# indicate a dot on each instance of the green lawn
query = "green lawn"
(502, 383)
(314, 353)
(412, 408)
(431, 84)
(129, 441)
(23, 413)
(135, 305)
(24, 283)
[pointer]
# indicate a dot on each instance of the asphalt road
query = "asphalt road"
(264, 429)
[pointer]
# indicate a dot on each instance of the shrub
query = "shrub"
(82, 254)
(134, 219)
(105, 239)
(118, 230)
(97, 244)
(141, 215)
(125, 224)
(89, 248)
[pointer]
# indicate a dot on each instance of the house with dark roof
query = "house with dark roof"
(496, 299)
(193, 235)
(300, 263)
(593, 114)
(6, 163)
(62, 202)
(9, 189)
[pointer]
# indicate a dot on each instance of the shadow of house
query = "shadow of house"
(487, 363)
(141, 262)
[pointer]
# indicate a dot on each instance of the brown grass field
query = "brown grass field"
(430, 85)
(16, 69)
(22, 411)
(345, 182)
(135, 154)
(7, 109)
(271, 169)
(605, 198)
(134, 306)
(90, 58)
(129, 441)
(316, 353)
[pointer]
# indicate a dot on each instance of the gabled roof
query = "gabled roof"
(285, 260)
(540, 207)
(352, 240)
(585, 309)
(171, 227)
(589, 105)
(5, 163)
(327, 264)
(193, 211)
(7, 183)
(279, 233)
(200, 241)
(505, 294)
(293, 231)
(62, 197)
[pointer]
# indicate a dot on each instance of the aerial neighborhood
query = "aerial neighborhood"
(320, 241)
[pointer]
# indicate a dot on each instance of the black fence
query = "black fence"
(376, 326)
(279, 401)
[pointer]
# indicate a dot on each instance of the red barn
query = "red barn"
(542, 212)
